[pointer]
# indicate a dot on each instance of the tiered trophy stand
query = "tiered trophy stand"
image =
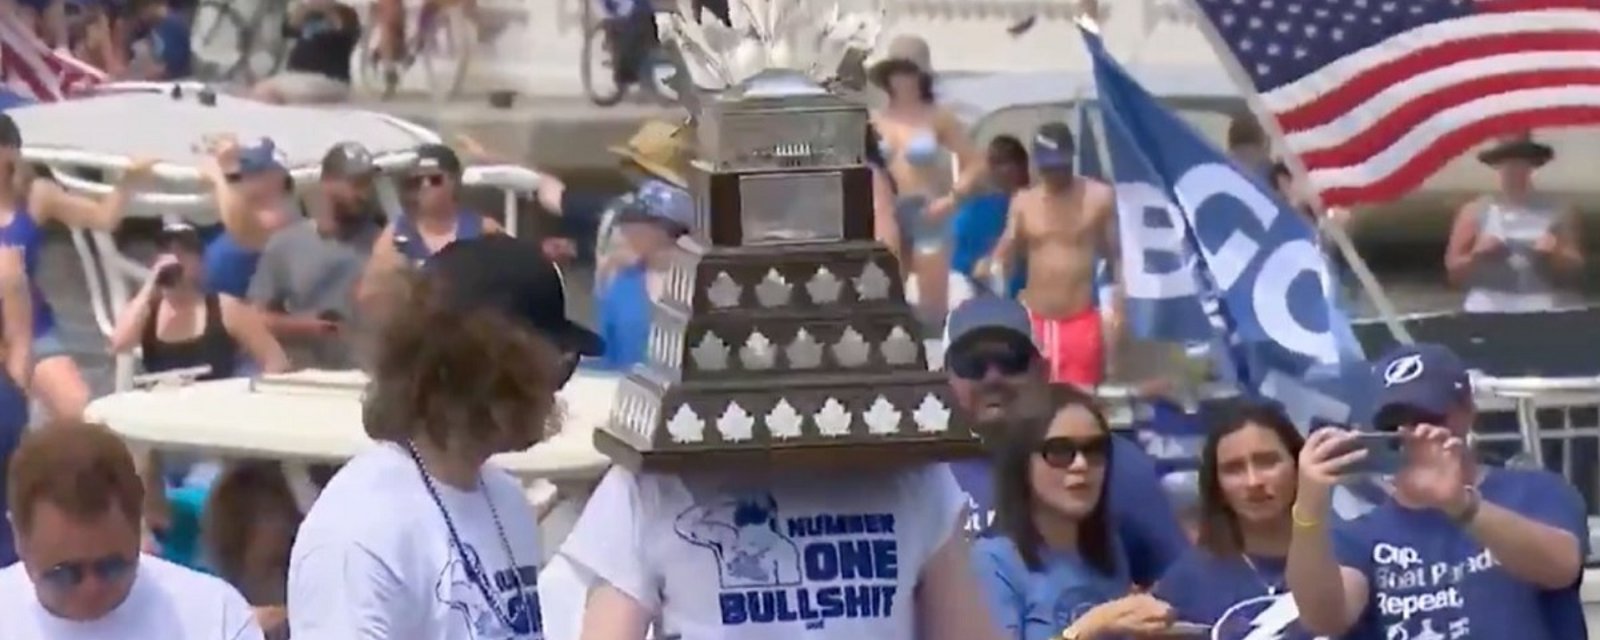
(784, 336)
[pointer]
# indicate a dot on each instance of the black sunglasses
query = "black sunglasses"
(1061, 452)
(1006, 359)
(68, 575)
(233, 177)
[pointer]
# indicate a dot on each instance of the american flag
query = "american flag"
(1376, 95)
(32, 70)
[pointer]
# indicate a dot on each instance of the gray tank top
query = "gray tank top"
(1505, 284)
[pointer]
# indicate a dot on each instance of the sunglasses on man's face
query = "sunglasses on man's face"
(422, 180)
(1061, 452)
(233, 177)
(66, 576)
(1006, 359)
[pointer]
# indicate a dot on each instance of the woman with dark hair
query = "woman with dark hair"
(1247, 485)
(918, 139)
(1055, 569)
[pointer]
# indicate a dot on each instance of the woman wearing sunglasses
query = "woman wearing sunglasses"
(1056, 569)
(1248, 475)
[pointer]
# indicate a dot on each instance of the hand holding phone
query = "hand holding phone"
(1382, 453)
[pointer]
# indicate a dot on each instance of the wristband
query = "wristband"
(1299, 521)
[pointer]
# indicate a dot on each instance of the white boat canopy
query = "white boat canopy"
(170, 122)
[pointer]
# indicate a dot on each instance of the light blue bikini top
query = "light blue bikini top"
(922, 150)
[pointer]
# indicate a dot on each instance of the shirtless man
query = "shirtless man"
(1060, 224)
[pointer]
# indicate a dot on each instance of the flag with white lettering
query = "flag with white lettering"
(1203, 240)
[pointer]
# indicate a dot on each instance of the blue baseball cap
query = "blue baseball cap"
(1053, 146)
(1427, 378)
(985, 315)
(260, 157)
(660, 202)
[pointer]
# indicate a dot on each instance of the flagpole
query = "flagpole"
(1369, 282)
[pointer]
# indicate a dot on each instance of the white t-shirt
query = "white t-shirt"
(723, 556)
(374, 560)
(167, 601)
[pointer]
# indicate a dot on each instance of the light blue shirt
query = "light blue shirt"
(1037, 605)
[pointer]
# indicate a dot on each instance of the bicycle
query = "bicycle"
(600, 53)
(441, 38)
(239, 46)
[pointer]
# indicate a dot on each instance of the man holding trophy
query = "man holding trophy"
(780, 449)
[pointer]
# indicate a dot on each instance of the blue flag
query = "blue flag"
(1209, 248)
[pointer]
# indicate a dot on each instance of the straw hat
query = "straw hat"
(660, 148)
(1518, 147)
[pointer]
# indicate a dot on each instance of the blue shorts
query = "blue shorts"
(917, 233)
(49, 346)
(13, 423)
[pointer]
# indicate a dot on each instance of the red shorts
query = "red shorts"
(1073, 347)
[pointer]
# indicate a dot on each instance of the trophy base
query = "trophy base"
(843, 456)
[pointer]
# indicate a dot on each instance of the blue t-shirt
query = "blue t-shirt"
(1429, 578)
(13, 423)
(974, 230)
(229, 266)
(1147, 526)
(1037, 605)
(1235, 598)
(169, 43)
(623, 310)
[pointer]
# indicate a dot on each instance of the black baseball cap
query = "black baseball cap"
(496, 271)
(10, 134)
(440, 157)
(348, 160)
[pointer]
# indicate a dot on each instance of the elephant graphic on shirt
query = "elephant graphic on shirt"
(744, 535)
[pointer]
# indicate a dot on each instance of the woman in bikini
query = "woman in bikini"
(918, 138)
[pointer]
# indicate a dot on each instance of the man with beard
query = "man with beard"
(991, 361)
(306, 281)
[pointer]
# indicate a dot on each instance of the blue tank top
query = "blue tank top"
(23, 231)
(409, 242)
(229, 266)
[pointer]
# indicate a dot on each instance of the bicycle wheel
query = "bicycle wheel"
(220, 41)
(446, 53)
(596, 67)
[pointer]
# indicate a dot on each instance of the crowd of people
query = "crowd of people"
(1064, 530)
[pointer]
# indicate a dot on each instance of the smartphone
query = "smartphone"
(1383, 453)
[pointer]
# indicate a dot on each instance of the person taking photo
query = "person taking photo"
(1457, 550)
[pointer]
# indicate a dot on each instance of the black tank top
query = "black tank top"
(213, 347)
